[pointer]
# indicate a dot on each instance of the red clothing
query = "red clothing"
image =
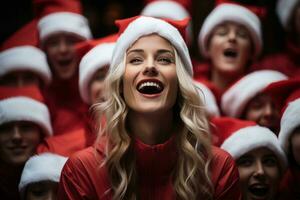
(67, 144)
(83, 178)
(290, 184)
(68, 111)
(9, 181)
(287, 62)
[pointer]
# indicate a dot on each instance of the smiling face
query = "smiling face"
(18, 141)
(229, 48)
(259, 174)
(61, 54)
(150, 81)
(263, 110)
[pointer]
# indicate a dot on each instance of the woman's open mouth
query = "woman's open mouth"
(259, 191)
(150, 87)
(230, 53)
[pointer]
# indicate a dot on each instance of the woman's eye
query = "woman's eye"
(271, 161)
(221, 31)
(136, 61)
(244, 162)
(165, 60)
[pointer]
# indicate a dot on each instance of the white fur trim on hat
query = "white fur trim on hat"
(233, 13)
(64, 22)
(236, 97)
(25, 109)
(284, 9)
(43, 167)
(253, 137)
(145, 26)
(25, 58)
(208, 98)
(290, 120)
(169, 10)
(95, 59)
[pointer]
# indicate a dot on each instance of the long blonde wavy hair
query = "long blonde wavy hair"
(191, 177)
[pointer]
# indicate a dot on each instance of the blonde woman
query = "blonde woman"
(156, 143)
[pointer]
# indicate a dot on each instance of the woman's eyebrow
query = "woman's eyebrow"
(165, 51)
(135, 51)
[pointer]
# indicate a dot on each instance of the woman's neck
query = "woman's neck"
(154, 128)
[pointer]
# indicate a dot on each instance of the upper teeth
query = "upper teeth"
(149, 84)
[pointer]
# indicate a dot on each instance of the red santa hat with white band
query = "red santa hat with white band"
(232, 13)
(98, 54)
(24, 104)
(239, 137)
(132, 29)
(290, 120)
(236, 97)
(68, 22)
(25, 57)
(167, 9)
(43, 167)
(285, 9)
(208, 98)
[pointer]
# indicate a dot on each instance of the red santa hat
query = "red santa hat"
(208, 98)
(239, 137)
(25, 58)
(233, 13)
(167, 9)
(132, 29)
(98, 54)
(24, 104)
(285, 9)
(290, 120)
(43, 167)
(235, 98)
(64, 22)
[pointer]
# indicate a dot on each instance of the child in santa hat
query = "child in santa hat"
(287, 61)
(258, 155)
(230, 39)
(24, 121)
(93, 67)
(248, 99)
(147, 149)
(40, 176)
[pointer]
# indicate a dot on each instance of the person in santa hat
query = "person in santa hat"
(24, 121)
(93, 67)
(248, 99)
(258, 155)
(59, 32)
(289, 138)
(287, 60)
(147, 149)
(24, 65)
(230, 39)
(40, 176)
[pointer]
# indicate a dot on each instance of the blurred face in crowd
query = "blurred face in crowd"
(150, 80)
(18, 141)
(97, 85)
(259, 174)
(295, 145)
(263, 110)
(44, 190)
(61, 54)
(20, 79)
(230, 48)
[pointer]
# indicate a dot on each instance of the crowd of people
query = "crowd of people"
(133, 115)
